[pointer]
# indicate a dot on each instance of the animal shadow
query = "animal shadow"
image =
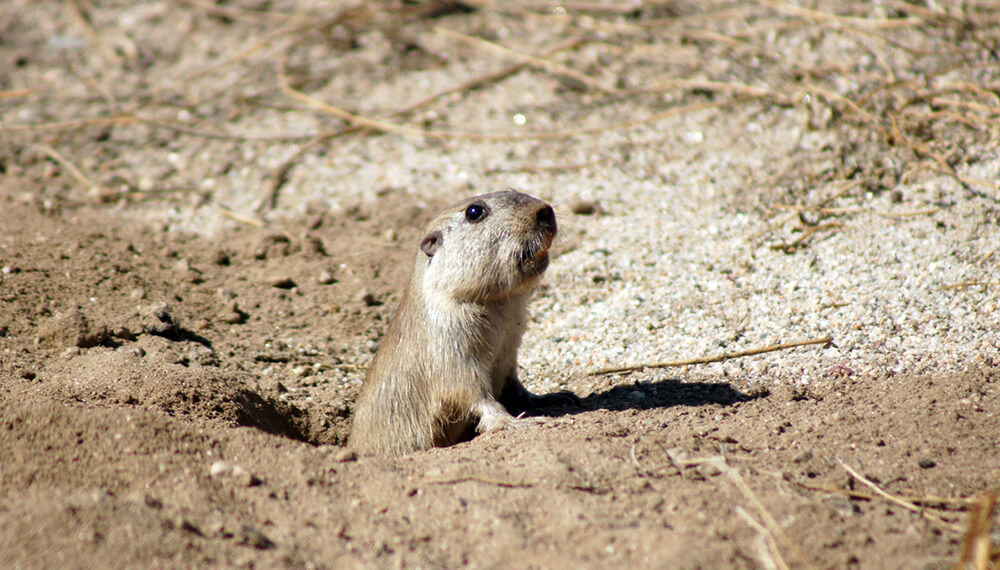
(648, 395)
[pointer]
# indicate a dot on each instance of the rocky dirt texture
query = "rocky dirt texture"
(208, 209)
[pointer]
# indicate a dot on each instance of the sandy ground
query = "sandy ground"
(208, 212)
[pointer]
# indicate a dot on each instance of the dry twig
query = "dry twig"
(901, 502)
(709, 359)
(926, 500)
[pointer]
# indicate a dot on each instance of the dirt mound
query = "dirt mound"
(180, 379)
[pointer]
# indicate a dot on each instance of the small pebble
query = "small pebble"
(162, 312)
(312, 246)
(315, 222)
(585, 207)
(187, 526)
(803, 457)
(255, 538)
(366, 297)
(235, 473)
(326, 277)
(281, 282)
(231, 318)
(220, 469)
(345, 455)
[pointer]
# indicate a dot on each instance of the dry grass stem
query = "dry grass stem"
(709, 359)
(977, 545)
(388, 127)
(534, 61)
(16, 93)
(965, 284)
(901, 502)
(926, 500)
(106, 53)
(770, 554)
(480, 479)
(86, 181)
(226, 212)
(807, 232)
(840, 211)
(238, 13)
(776, 533)
(819, 16)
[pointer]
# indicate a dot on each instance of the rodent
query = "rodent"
(447, 366)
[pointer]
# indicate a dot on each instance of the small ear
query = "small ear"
(431, 243)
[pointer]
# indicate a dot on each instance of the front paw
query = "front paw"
(509, 422)
(494, 417)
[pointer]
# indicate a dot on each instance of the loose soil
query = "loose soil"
(188, 300)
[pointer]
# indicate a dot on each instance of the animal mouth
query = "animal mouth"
(542, 249)
(535, 255)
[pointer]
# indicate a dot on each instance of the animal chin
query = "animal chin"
(534, 261)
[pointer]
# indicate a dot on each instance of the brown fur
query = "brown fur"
(449, 357)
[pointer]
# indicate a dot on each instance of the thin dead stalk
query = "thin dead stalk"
(86, 181)
(774, 531)
(977, 546)
(480, 479)
(709, 359)
(819, 16)
(927, 500)
(107, 54)
(840, 211)
(807, 232)
(898, 501)
(392, 128)
(533, 61)
(965, 284)
(772, 554)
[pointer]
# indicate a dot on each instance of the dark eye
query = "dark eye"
(475, 212)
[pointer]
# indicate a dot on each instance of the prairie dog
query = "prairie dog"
(448, 363)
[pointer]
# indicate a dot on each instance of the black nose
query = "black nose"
(546, 218)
